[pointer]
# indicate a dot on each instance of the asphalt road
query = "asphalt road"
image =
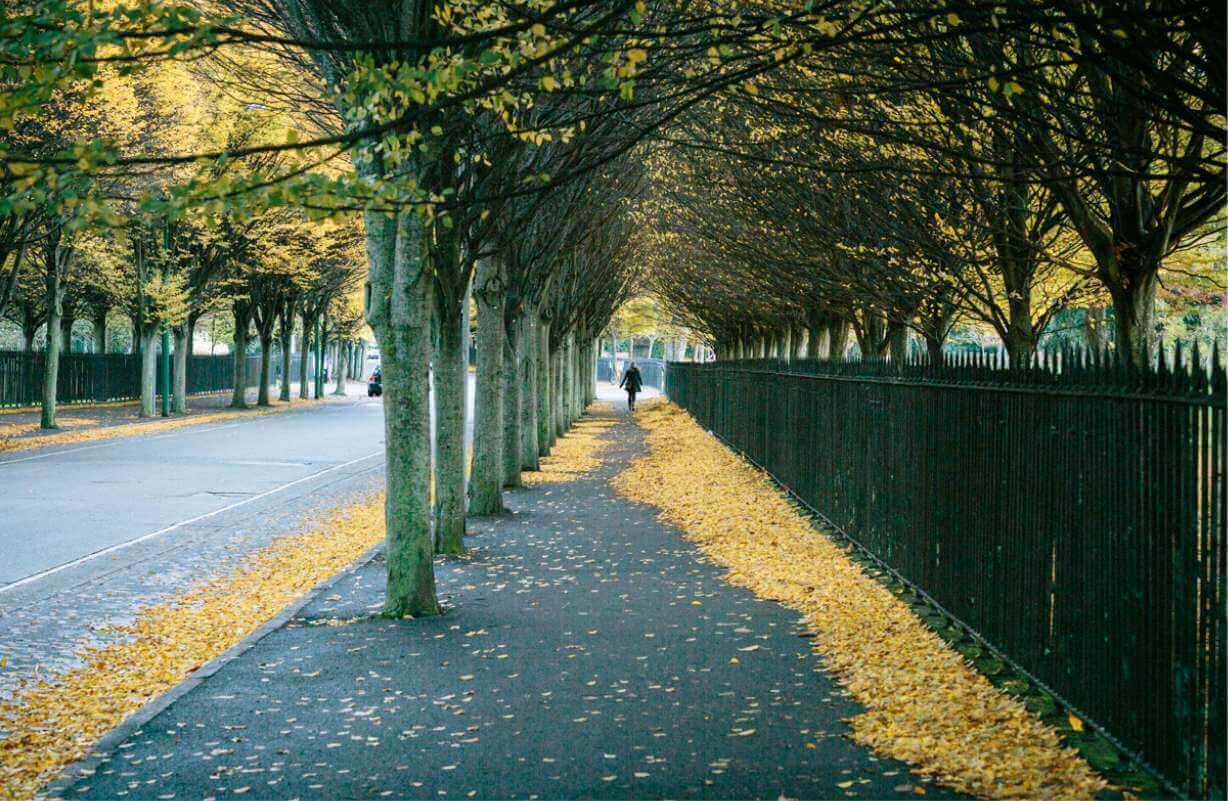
(90, 533)
(76, 503)
(62, 509)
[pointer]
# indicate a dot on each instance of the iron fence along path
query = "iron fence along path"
(103, 377)
(1072, 513)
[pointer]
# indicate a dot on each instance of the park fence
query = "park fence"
(652, 371)
(1071, 513)
(103, 377)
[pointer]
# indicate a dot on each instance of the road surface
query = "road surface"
(91, 532)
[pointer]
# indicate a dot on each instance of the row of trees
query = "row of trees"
(536, 157)
(1017, 163)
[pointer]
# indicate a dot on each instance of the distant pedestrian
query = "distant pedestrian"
(633, 383)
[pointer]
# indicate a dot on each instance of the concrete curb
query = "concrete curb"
(110, 741)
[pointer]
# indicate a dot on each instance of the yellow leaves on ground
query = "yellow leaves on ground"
(50, 724)
(924, 704)
(575, 454)
(89, 431)
(10, 430)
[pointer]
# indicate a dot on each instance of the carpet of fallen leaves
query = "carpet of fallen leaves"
(51, 723)
(17, 436)
(924, 704)
(575, 455)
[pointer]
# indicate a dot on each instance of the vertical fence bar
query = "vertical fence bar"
(1072, 512)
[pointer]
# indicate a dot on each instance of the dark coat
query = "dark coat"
(632, 380)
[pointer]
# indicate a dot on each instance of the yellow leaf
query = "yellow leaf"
(1075, 723)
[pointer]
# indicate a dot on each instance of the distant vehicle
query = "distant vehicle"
(373, 360)
(375, 384)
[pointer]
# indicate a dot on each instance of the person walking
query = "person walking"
(633, 382)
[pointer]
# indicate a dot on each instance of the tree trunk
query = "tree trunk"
(400, 314)
(564, 386)
(544, 388)
(66, 339)
(511, 403)
(149, 372)
(556, 393)
(286, 326)
(183, 346)
(238, 398)
(266, 353)
(486, 481)
(1019, 338)
(897, 340)
(343, 367)
(51, 355)
(838, 337)
(1134, 316)
(304, 359)
(450, 379)
(1095, 328)
(933, 347)
(528, 400)
(100, 332)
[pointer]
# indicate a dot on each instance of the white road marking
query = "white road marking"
(118, 441)
(82, 560)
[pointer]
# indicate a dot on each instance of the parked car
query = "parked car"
(375, 384)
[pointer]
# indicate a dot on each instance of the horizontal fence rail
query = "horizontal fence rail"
(104, 377)
(1072, 513)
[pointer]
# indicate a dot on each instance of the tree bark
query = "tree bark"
(343, 367)
(51, 355)
(897, 340)
(66, 338)
(304, 357)
(1134, 315)
(242, 317)
(529, 338)
(266, 354)
(486, 481)
(450, 379)
(400, 314)
(838, 337)
(183, 346)
(286, 329)
(511, 403)
(100, 332)
(1019, 338)
(1095, 328)
(149, 372)
(544, 388)
(933, 347)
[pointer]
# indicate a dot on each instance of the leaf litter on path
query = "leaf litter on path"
(925, 705)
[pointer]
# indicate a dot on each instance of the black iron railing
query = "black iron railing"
(1072, 513)
(103, 377)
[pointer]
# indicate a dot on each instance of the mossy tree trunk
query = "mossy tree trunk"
(528, 402)
(242, 319)
(450, 376)
(511, 402)
(183, 347)
(149, 372)
(399, 312)
(486, 481)
(544, 389)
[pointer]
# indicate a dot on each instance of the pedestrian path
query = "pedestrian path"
(588, 651)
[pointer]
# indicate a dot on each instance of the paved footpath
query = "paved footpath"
(588, 652)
